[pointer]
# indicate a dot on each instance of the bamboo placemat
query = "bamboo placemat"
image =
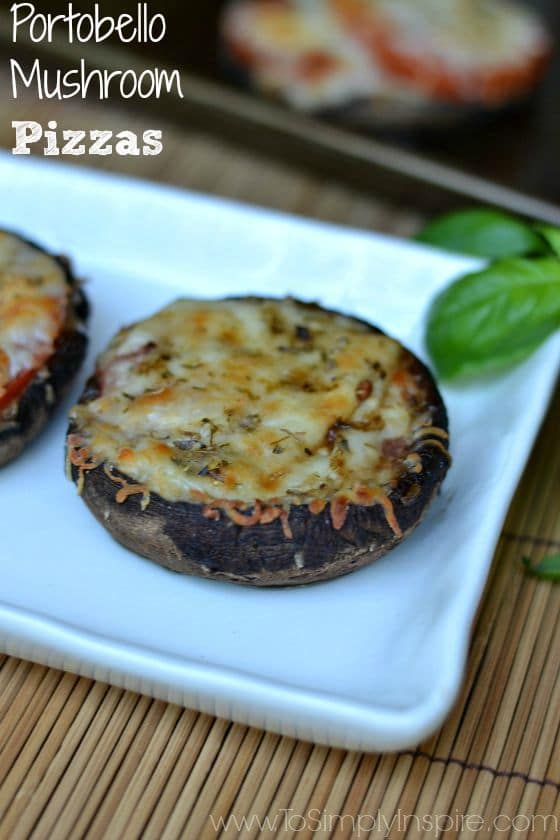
(82, 759)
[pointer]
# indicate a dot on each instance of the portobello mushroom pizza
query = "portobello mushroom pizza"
(259, 441)
(42, 340)
(386, 63)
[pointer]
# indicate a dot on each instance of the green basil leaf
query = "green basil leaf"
(551, 235)
(548, 568)
(495, 317)
(482, 233)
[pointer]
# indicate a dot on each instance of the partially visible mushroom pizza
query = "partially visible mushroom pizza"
(43, 313)
(389, 60)
(259, 441)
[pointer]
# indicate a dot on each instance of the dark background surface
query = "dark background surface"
(520, 149)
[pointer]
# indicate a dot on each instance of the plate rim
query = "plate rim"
(357, 725)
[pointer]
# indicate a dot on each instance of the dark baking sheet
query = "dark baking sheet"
(520, 149)
(511, 160)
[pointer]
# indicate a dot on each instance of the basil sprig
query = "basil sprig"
(548, 568)
(551, 236)
(482, 232)
(496, 317)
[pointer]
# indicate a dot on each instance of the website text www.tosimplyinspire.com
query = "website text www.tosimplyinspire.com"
(360, 825)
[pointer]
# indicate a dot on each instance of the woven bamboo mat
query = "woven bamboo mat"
(82, 759)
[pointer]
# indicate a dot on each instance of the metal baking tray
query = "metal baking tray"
(398, 168)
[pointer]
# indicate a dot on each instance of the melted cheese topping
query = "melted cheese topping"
(33, 303)
(248, 400)
(459, 49)
(301, 52)
(464, 32)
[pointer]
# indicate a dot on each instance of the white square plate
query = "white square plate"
(370, 661)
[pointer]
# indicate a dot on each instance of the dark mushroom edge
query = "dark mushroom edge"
(22, 422)
(177, 536)
(379, 112)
